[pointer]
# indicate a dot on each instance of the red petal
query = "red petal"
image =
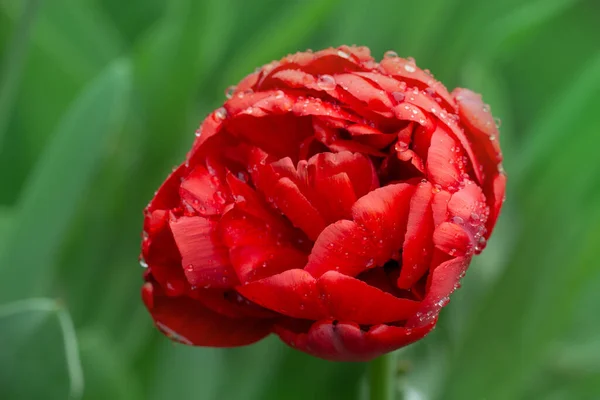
(349, 299)
(452, 239)
(343, 341)
(237, 228)
(204, 257)
(254, 262)
(334, 197)
(158, 246)
(343, 246)
(444, 160)
(167, 196)
(211, 125)
(358, 167)
(365, 91)
(407, 71)
(229, 303)
(204, 192)
(445, 279)
(408, 112)
(384, 214)
(293, 293)
(266, 132)
(418, 243)
(297, 208)
(499, 196)
(189, 322)
(439, 206)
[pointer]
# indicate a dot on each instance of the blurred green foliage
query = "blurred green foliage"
(100, 98)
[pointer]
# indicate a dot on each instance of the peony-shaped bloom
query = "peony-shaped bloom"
(332, 200)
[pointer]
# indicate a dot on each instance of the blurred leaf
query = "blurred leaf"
(36, 345)
(262, 371)
(168, 70)
(60, 179)
(12, 63)
(75, 32)
(518, 22)
(300, 376)
(281, 35)
(106, 375)
(198, 374)
(6, 217)
(553, 127)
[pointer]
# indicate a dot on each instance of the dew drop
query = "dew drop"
(326, 82)
(343, 54)
(409, 68)
(143, 263)
(220, 113)
(398, 96)
(229, 91)
(390, 54)
(457, 220)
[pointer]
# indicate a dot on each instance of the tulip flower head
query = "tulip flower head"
(332, 200)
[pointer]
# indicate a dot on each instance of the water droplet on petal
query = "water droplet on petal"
(343, 54)
(326, 82)
(220, 113)
(398, 96)
(143, 263)
(457, 220)
(390, 54)
(229, 91)
(409, 68)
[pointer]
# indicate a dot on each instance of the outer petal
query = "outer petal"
(445, 280)
(293, 293)
(204, 257)
(297, 208)
(452, 239)
(204, 192)
(482, 133)
(187, 321)
(418, 244)
(384, 214)
(345, 341)
(445, 166)
(343, 246)
(257, 262)
(349, 299)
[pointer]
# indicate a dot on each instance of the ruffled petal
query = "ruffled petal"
(343, 246)
(346, 341)
(452, 239)
(257, 262)
(204, 257)
(189, 322)
(483, 135)
(288, 198)
(350, 299)
(445, 279)
(384, 214)
(293, 293)
(445, 164)
(205, 192)
(418, 246)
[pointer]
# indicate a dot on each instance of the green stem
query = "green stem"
(381, 378)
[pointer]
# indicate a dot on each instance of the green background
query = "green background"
(99, 99)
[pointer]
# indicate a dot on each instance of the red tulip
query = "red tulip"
(333, 200)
